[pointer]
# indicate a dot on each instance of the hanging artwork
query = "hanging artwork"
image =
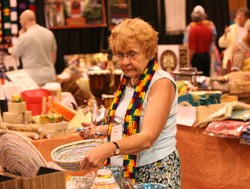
(1, 31)
(6, 22)
(75, 13)
(117, 11)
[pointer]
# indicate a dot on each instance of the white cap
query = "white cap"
(199, 8)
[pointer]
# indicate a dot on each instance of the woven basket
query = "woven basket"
(239, 87)
(68, 156)
(202, 112)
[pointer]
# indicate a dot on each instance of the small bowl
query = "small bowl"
(150, 186)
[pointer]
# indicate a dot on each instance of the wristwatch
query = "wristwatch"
(117, 149)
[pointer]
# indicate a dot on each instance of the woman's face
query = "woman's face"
(240, 18)
(132, 62)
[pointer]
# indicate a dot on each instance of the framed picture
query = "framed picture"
(61, 14)
(117, 11)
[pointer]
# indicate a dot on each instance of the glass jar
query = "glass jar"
(104, 180)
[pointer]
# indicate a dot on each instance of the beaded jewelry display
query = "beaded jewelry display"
(132, 117)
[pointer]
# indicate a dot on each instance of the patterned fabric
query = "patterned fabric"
(166, 171)
(1, 31)
(32, 5)
(132, 117)
(21, 6)
(14, 17)
(6, 22)
(241, 57)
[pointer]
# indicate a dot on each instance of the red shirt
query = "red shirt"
(200, 38)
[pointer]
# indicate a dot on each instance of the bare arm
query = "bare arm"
(160, 98)
(224, 39)
(157, 111)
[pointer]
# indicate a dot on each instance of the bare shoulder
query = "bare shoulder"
(162, 88)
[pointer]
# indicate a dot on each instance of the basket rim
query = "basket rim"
(101, 141)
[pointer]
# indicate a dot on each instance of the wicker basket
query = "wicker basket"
(203, 112)
(68, 156)
(239, 87)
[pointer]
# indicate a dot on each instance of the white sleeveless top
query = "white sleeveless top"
(166, 142)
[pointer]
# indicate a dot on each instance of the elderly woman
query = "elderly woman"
(231, 36)
(142, 116)
(241, 52)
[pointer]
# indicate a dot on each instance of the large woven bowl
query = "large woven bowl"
(150, 186)
(68, 156)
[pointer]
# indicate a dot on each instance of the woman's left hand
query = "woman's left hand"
(96, 157)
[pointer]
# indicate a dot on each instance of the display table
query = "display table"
(210, 162)
(206, 162)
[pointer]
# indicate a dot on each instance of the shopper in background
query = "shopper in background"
(36, 46)
(142, 116)
(241, 52)
(231, 37)
(215, 68)
(200, 39)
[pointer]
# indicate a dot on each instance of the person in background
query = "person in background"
(231, 37)
(199, 42)
(241, 52)
(142, 118)
(214, 52)
(36, 46)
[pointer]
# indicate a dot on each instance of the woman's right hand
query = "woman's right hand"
(89, 130)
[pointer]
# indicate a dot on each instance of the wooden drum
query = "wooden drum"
(99, 82)
(118, 75)
(107, 100)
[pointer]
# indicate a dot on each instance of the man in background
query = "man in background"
(36, 46)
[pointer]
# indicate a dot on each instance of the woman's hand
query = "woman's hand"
(89, 131)
(95, 158)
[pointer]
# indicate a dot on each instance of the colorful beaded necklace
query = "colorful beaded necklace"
(132, 117)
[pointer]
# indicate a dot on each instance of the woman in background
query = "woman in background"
(241, 52)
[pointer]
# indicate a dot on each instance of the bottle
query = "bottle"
(3, 101)
(104, 180)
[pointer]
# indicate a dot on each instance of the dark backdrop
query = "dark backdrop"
(92, 40)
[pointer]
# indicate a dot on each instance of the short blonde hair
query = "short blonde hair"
(134, 31)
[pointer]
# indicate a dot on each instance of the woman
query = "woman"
(143, 111)
(241, 52)
(231, 36)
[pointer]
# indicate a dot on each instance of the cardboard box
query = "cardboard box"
(17, 107)
(54, 126)
(46, 178)
(8, 182)
(10, 117)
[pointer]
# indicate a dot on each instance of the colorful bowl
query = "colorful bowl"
(69, 156)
